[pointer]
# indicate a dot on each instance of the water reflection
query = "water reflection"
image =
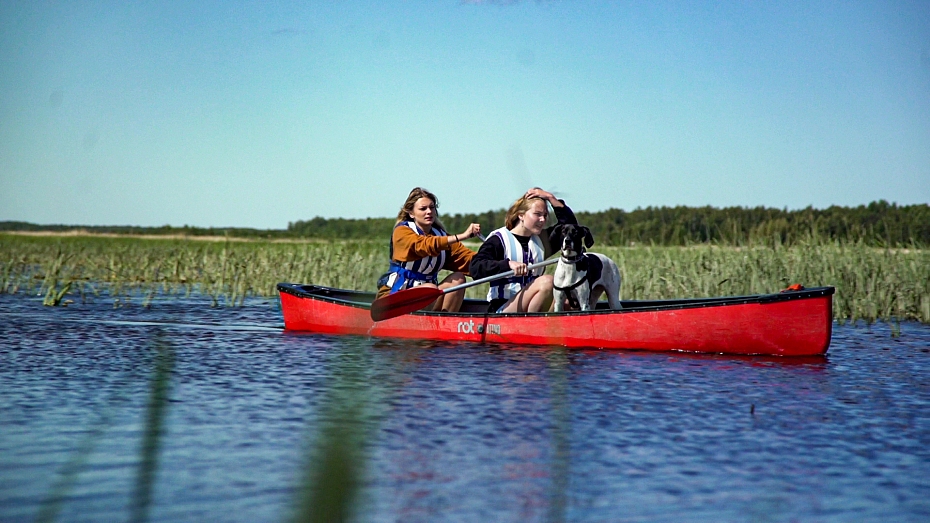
(67, 475)
(561, 434)
(154, 414)
(153, 429)
(491, 397)
(336, 460)
(452, 404)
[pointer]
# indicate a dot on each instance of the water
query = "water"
(180, 412)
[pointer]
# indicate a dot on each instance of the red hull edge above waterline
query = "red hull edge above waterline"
(792, 323)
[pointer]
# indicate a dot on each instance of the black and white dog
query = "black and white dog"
(581, 277)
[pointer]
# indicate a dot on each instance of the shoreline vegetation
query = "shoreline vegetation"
(878, 224)
(873, 283)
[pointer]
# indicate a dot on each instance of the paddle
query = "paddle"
(414, 299)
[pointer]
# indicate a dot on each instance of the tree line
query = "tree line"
(879, 224)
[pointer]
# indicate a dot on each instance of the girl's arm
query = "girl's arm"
(459, 259)
(409, 246)
(489, 260)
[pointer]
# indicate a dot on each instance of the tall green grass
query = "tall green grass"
(872, 283)
(132, 268)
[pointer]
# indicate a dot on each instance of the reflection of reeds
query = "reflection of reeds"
(336, 460)
(557, 360)
(155, 414)
(871, 283)
(68, 475)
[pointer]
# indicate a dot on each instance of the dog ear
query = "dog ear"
(588, 238)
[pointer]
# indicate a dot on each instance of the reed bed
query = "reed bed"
(131, 268)
(872, 283)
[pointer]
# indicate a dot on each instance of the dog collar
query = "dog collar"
(572, 286)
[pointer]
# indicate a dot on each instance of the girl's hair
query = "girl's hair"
(406, 212)
(519, 207)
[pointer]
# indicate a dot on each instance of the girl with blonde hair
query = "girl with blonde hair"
(523, 240)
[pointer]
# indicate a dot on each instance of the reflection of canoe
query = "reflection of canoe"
(795, 323)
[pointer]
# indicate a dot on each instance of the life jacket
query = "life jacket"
(405, 275)
(513, 250)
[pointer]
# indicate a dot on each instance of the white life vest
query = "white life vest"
(513, 250)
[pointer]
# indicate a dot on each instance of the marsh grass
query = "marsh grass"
(872, 283)
(133, 269)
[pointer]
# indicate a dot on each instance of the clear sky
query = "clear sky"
(254, 114)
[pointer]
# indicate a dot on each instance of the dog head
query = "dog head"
(575, 239)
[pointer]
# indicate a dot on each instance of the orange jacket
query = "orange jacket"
(410, 246)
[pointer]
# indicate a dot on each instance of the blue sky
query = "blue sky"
(255, 114)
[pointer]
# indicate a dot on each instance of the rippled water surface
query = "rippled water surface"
(180, 412)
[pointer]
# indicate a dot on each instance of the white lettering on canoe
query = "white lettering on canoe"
(467, 327)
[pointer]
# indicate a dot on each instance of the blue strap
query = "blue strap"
(404, 275)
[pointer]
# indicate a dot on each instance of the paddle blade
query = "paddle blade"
(402, 302)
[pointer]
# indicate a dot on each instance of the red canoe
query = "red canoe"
(793, 323)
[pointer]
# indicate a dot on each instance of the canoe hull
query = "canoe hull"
(777, 325)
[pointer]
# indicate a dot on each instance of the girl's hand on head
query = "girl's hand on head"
(536, 192)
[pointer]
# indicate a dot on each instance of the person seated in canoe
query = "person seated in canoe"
(524, 240)
(420, 248)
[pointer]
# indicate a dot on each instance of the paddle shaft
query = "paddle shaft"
(499, 276)
(415, 298)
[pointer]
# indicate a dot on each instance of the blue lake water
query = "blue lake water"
(181, 412)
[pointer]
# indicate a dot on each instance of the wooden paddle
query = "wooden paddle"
(414, 299)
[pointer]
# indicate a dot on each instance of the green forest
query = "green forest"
(879, 224)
